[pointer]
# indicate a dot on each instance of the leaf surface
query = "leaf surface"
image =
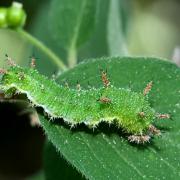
(115, 35)
(72, 21)
(56, 167)
(105, 154)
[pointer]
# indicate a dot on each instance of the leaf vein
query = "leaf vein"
(163, 160)
(124, 159)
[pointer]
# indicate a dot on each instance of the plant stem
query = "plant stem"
(72, 57)
(58, 61)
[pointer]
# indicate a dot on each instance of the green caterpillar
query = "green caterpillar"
(130, 110)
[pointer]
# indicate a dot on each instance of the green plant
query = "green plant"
(104, 154)
(16, 16)
(13, 17)
(3, 21)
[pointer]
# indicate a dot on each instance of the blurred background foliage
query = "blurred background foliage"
(136, 27)
(148, 28)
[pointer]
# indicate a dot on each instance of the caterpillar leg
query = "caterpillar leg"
(139, 139)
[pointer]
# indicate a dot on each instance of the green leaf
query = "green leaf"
(109, 37)
(72, 21)
(56, 167)
(115, 35)
(97, 44)
(105, 154)
(37, 26)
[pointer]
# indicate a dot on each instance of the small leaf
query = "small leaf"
(106, 154)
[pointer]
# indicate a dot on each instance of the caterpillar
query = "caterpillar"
(129, 110)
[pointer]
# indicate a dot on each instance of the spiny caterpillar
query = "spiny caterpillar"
(130, 110)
